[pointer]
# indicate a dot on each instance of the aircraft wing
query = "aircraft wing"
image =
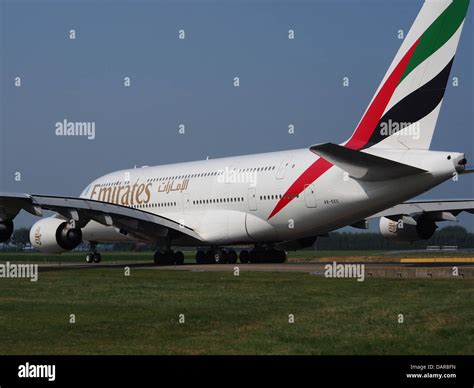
(135, 222)
(439, 210)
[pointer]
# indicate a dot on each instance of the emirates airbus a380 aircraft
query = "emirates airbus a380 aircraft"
(281, 201)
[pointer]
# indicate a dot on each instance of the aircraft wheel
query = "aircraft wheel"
(281, 256)
(232, 257)
(244, 257)
(89, 257)
(200, 257)
(257, 256)
(179, 258)
(164, 258)
(252, 256)
(217, 257)
(157, 257)
(97, 257)
(273, 256)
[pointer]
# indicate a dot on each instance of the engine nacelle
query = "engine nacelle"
(6, 230)
(53, 235)
(404, 232)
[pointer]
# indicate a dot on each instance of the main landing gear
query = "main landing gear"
(168, 257)
(93, 256)
(257, 255)
(216, 256)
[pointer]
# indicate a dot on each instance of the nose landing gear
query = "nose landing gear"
(93, 256)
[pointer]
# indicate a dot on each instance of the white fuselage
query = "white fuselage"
(229, 201)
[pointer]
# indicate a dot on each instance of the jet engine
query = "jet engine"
(401, 231)
(6, 230)
(54, 235)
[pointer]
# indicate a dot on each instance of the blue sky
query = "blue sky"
(191, 82)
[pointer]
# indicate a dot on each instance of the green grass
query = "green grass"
(225, 314)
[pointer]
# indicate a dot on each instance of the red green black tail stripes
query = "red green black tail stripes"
(425, 98)
(372, 116)
(413, 107)
(442, 29)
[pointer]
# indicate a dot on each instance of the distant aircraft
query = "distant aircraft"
(281, 201)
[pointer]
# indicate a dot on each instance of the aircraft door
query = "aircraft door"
(252, 199)
(309, 196)
(280, 174)
(186, 202)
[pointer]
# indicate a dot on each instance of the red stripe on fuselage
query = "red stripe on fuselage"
(360, 137)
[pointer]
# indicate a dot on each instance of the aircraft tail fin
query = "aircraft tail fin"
(405, 108)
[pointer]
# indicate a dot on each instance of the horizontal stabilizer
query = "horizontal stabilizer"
(363, 166)
(468, 170)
